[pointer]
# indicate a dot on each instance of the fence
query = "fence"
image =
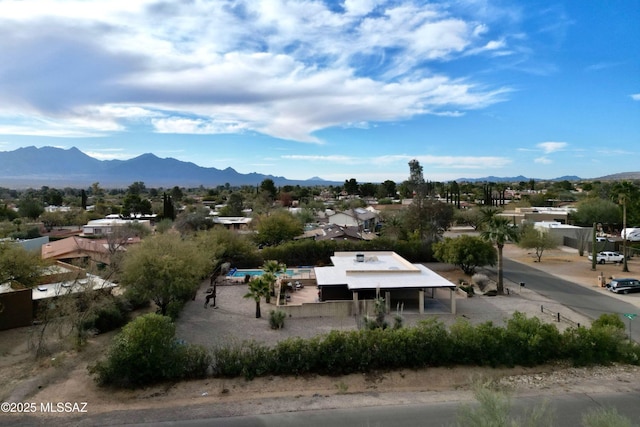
(559, 317)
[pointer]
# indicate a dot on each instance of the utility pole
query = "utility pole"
(594, 254)
(625, 268)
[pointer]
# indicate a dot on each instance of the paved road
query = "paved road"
(567, 410)
(581, 299)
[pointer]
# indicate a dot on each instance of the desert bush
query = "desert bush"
(608, 320)
(429, 344)
(143, 353)
(146, 352)
(598, 346)
(494, 408)
(296, 356)
(398, 321)
(605, 417)
(480, 280)
(111, 314)
(529, 342)
(468, 289)
(523, 341)
(248, 359)
(465, 343)
(195, 361)
(174, 308)
(276, 319)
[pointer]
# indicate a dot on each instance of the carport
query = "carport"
(361, 275)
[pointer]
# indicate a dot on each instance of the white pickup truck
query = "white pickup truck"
(604, 257)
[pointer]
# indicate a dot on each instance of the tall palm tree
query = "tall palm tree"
(271, 270)
(258, 288)
(498, 230)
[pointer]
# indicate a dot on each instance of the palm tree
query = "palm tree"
(498, 231)
(258, 288)
(271, 270)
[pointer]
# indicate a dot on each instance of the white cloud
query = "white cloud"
(449, 162)
(194, 126)
(551, 147)
(282, 68)
(636, 96)
(543, 160)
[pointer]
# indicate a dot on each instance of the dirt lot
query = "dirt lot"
(63, 377)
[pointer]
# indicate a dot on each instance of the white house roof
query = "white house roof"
(62, 288)
(229, 220)
(386, 270)
(546, 225)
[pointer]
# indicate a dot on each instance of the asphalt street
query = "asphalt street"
(567, 410)
(579, 298)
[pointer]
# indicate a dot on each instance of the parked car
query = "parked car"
(624, 286)
(607, 256)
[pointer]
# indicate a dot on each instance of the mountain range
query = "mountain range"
(57, 167)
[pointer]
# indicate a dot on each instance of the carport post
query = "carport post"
(453, 300)
(356, 311)
(421, 301)
(387, 301)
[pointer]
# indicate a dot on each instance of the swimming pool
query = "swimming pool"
(290, 272)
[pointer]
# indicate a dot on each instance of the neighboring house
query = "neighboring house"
(365, 219)
(19, 306)
(559, 230)
(337, 232)
(51, 208)
(103, 227)
(357, 276)
(538, 214)
(87, 250)
(233, 222)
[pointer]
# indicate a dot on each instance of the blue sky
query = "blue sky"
(333, 89)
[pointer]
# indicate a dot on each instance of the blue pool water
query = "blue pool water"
(242, 273)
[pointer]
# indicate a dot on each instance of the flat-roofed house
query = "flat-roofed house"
(362, 275)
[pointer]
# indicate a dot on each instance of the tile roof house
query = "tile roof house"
(78, 248)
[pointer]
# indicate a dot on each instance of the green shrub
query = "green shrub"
(468, 289)
(248, 359)
(311, 252)
(597, 346)
(605, 417)
(144, 352)
(429, 344)
(523, 341)
(195, 361)
(174, 308)
(296, 356)
(529, 342)
(136, 300)
(608, 320)
(109, 315)
(276, 319)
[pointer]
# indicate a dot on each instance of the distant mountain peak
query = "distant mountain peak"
(52, 166)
